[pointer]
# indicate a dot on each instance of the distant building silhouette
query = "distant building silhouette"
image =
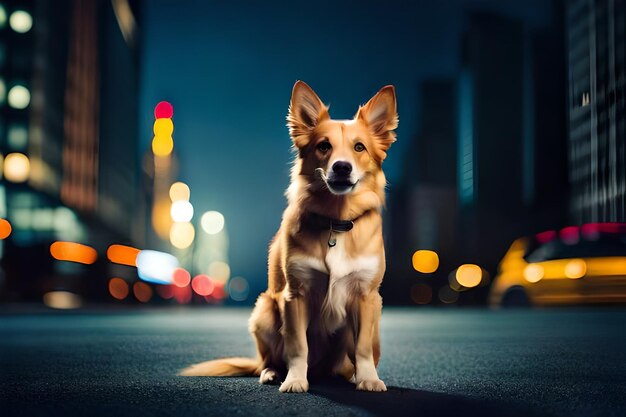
(596, 41)
(78, 63)
(489, 163)
(511, 135)
(424, 204)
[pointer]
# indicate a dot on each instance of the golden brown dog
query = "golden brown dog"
(321, 312)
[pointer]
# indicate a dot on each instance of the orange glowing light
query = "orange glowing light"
(73, 252)
(163, 128)
(576, 268)
(162, 145)
(142, 291)
(120, 254)
(118, 288)
(469, 275)
(5, 229)
(202, 285)
(161, 220)
(181, 277)
(533, 273)
(425, 261)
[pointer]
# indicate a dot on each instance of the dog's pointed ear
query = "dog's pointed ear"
(381, 117)
(306, 110)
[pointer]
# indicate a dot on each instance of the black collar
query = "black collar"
(329, 223)
(332, 225)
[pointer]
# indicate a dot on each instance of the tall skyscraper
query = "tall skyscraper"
(69, 117)
(596, 49)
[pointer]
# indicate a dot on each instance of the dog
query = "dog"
(321, 313)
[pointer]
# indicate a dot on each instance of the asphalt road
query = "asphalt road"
(435, 363)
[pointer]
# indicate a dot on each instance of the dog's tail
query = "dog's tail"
(224, 367)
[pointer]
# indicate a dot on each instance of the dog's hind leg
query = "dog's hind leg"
(264, 326)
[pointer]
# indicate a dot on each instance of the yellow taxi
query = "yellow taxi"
(575, 265)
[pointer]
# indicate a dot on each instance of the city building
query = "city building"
(68, 134)
(596, 49)
(511, 136)
(489, 163)
(423, 206)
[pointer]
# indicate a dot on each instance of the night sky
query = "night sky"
(228, 69)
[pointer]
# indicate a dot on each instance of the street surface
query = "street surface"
(448, 362)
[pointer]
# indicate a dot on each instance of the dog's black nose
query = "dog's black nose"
(342, 168)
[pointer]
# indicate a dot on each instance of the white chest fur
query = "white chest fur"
(348, 276)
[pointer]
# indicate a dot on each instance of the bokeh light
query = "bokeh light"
(202, 285)
(570, 235)
(219, 271)
(447, 295)
(162, 146)
(181, 211)
(182, 295)
(73, 252)
(17, 136)
(533, 273)
(118, 288)
(421, 293)
(156, 267)
(142, 291)
(238, 289)
(3, 16)
(165, 291)
(576, 268)
(163, 110)
(179, 191)
(5, 229)
(161, 219)
(425, 261)
(182, 235)
(18, 97)
(469, 275)
(16, 167)
(163, 128)
(181, 277)
(21, 21)
(124, 255)
(63, 300)
(219, 292)
(212, 222)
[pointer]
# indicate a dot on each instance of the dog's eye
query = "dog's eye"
(324, 147)
(359, 147)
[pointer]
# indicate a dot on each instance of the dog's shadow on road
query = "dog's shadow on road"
(406, 401)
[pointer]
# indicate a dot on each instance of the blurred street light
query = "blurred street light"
(18, 97)
(16, 167)
(182, 235)
(212, 222)
(181, 211)
(20, 21)
(179, 191)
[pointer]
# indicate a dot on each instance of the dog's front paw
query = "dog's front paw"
(374, 385)
(268, 376)
(294, 385)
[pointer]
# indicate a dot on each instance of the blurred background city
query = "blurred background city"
(144, 153)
